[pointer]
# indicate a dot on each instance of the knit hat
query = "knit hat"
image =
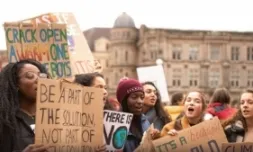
(126, 87)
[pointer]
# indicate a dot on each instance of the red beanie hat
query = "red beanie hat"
(126, 87)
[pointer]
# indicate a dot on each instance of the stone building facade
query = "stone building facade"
(193, 60)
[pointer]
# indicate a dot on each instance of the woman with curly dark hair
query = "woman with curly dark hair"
(240, 127)
(18, 89)
(153, 108)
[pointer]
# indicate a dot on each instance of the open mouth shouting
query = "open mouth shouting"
(190, 110)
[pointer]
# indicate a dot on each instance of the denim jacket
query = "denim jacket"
(152, 117)
(132, 141)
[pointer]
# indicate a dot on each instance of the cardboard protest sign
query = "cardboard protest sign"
(146, 143)
(207, 136)
(116, 127)
(237, 147)
(81, 58)
(46, 43)
(3, 59)
(65, 116)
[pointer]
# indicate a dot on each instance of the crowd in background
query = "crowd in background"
(18, 84)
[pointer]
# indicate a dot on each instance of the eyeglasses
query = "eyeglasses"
(33, 75)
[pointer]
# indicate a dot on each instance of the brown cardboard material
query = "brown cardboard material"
(207, 136)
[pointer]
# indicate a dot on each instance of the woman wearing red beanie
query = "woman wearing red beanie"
(130, 94)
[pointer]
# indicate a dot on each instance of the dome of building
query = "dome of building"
(123, 21)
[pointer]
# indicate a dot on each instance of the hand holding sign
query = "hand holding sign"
(101, 148)
(172, 132)
(36, 148)
(155, 134)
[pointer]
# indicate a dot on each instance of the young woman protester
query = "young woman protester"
(130, 94)
(153, 108)
(18, 84)
(240, 127)
(194, 112)
(97, 80)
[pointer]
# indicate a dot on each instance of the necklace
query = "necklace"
(28, 114)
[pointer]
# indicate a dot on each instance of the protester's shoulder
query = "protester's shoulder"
(167, 128)
(208, 116)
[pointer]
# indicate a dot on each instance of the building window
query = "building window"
(214, 77)
(153, 55)
(128, 35)
(126, 74)
(193, 52)
(126, 56)
(107, 63)
(176, 77)
(116, 54)
(160, 52)
(234, 78)
(176, 52)
(250, 78)
(152, 46)
(235, 53)
(215, 52)
(193, 77)
(250, 53)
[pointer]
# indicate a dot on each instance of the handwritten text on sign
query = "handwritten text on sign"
(65, 118)
(237, 147)
(80, 54)
(46, 43)
(116, 126)
(206, 136)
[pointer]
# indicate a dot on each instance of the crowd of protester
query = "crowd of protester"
(18, 84)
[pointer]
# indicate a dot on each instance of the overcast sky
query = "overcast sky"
(232, 15)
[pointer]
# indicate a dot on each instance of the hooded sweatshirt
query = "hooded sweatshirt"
(222, 111)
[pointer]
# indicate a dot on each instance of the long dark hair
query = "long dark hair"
(87, 79)
(238, 116)
(9, 95)
(158, 105)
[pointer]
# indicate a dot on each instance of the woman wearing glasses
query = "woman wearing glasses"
(18, 87)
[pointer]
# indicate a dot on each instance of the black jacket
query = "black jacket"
(23, 136)
(235, 132)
